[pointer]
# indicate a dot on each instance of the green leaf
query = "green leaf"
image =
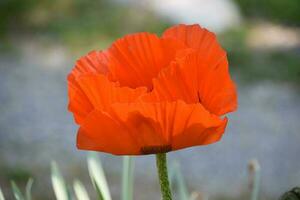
(98, 177)
(127, 178)
(58, 183)
(1, 195)
(80, 191)
(28, 189)
(17, 192)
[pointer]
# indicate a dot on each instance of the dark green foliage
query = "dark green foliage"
(76, 20)
(12, 13)
(16, 174)
(293, 194)
(286, 11)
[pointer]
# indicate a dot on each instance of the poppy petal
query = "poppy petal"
(100, 132)
(196, 37)
(138, 120)
(101, 92)
(93, 62)
(193, 81)
(137, 58)
(160, 126)
(193, 36)
(193, 137)
(79, 104)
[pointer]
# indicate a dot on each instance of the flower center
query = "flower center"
(156, 149)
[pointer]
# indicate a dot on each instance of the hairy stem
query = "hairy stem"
(161, 163)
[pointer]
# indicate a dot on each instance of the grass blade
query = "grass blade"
(80, 191)
(172, 175)
(58, 183)
(17, 192)
(70, 194)
(1, 195)
(177, 178)
(127, 178)
(28, 189)
(98, 177)
(254, 178)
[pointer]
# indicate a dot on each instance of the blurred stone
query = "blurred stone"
(216, 15)
(269, 36)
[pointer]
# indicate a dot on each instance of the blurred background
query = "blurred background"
(41, 40)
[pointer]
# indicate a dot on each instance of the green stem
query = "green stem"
(161, 163)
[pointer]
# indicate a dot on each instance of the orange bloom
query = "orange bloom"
(148, 94)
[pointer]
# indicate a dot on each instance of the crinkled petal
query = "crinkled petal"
(102, 93)
(193, 36)
(149, 128)
(192, 81)
(100, 132)
(94, 62)
(191, 136)
(89, 88)
(79, 104)
(157, 126)
(198, 38)
(137, 58)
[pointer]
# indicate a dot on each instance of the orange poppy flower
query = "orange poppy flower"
(147, 94)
